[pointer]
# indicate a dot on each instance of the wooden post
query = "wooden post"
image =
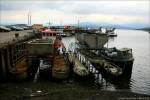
(3, 65)
(8, 57)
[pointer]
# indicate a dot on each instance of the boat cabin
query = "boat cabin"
(125, 51)
(48, 33)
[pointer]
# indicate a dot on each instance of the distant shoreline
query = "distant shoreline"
(145, 29)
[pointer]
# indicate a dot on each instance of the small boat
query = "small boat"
(112, 69)
(122, 57)
(117, 55)
(111, 34)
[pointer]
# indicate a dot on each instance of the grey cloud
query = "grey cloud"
(81, 8)
(23, 5)
(104, 8)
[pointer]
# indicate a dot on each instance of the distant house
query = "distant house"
(69, 30)
(48, 33)
(37, 27)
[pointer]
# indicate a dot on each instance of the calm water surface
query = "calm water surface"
(139, 41)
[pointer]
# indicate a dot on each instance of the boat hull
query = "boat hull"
(125, 65)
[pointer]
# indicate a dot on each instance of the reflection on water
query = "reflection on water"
(140, 78)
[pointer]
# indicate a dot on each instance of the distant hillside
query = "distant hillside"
(109, 25)
(145, 29)
(104, 25)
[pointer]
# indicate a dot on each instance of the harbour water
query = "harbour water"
(139, 82)
(139, 41)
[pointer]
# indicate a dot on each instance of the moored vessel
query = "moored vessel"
(111, 32)
(122, 57)
(102, 65)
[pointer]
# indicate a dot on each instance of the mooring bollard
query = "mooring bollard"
(16, 35)
(4, 62)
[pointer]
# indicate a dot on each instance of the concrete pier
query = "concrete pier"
(6, 36)
(12, 49)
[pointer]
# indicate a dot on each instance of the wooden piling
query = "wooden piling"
(3, 62)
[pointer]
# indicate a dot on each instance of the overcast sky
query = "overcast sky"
(67, 12)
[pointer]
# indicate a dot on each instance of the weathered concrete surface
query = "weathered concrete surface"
(5, 36)
(40, 47)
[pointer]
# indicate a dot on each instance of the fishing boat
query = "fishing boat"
(97, 61)
(122, 57)
(112, 69)
(101, 64)
(111, 34)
